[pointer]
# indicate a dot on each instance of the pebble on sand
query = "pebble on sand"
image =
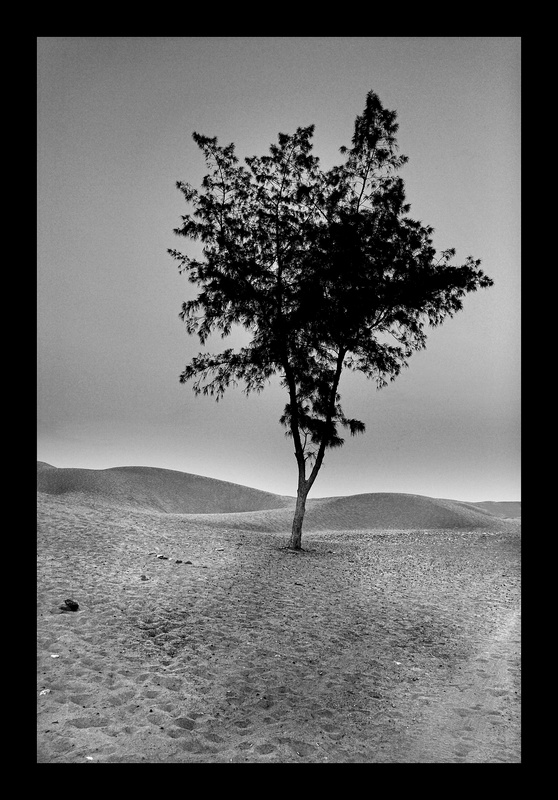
(69, 605)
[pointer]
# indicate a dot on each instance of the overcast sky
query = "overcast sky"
(115, 123)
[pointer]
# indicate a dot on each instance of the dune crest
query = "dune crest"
(157, 489)
(240, 507)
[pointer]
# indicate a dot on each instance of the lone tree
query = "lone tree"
(324, 268)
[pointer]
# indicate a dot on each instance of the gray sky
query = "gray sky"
(115, 123)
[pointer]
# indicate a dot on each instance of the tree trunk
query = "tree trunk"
(296, 535)
(304, 485)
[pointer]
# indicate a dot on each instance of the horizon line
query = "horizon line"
(279, 494)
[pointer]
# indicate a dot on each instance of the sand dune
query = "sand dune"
(200, 638)
(239, 507)
(379, 511)
(505, 509)
(156, 489)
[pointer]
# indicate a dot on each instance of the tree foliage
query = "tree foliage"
(324, 268)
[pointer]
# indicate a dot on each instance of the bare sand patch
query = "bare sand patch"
(348, 652)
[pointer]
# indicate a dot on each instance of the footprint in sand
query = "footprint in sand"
(89, 722)
(185, 723)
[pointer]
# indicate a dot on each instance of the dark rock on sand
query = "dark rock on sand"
(69, 605)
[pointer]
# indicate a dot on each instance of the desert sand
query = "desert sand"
(394, 637)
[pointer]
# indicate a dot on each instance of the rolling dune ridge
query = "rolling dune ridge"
(173, 492)
(156, 489)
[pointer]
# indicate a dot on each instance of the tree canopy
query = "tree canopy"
(324, 268)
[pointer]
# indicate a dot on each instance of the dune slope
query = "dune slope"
(157, 489)
(219, 503)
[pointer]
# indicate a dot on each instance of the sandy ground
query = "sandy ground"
(369, 647)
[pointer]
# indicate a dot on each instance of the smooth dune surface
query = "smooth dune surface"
(156, 489)
(174, 492)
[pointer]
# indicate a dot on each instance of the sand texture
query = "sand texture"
(374, 645)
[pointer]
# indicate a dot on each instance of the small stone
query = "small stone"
(69, 605)
(144, 578)
(178, 561)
